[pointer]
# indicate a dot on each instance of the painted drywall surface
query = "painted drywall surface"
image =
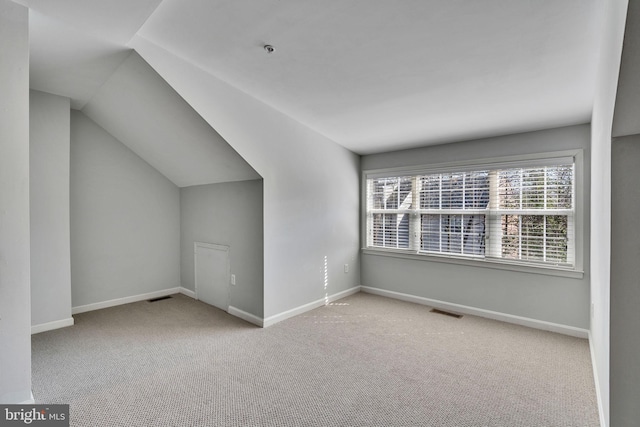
(625, 281)
(227, 214)
(65, 60)
(553, 299)
(15, 307)
(627, 104)
(49, 196)
(614, 15)
(311, 185)
(125, 219)
(166, 132)
(624, 348)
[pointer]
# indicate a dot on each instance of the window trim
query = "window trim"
(527, 160)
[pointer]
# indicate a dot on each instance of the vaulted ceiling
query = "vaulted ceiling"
(371, 75)
(143, 112)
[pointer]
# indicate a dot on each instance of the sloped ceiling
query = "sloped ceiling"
(142, 111)
(113, 20)
(77, 44)
(79, 50)
(78, 65)
(375, 75)
(372, 75)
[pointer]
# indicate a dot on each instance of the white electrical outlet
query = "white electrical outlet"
(346, 268)
(233, 279)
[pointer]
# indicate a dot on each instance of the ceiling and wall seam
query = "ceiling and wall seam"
(84, 104)
(370, 78)
(135, 33)
(239, 90)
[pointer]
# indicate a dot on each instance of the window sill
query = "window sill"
(479, 262)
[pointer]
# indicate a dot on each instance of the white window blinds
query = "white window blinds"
(390, 204)
(452, 212)
(523, 213)
(532, 214)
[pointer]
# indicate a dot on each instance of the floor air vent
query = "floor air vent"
(446, 313)
(159, 298)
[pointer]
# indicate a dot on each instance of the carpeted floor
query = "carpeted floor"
(362, 361)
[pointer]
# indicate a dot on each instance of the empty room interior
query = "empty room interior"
(321, 213)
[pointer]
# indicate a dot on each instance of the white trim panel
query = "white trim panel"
(477, 262)
(574, 155)
(596, 380)
(188, 292)
(503, 317)
(271, 320)
(215, 247)
(125, 300)
(515, 161)
(234, 311)
(49, 326)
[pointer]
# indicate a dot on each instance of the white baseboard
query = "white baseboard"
(596, 378)
(234, 311)
(49, 326)
(508, 318)
(188, 292)
(125, 300)
(271, 320)
(29, 401)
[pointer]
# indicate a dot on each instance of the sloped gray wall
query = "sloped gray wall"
(311, 186)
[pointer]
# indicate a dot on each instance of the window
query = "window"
(514, 211)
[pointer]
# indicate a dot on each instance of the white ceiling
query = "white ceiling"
(372, 75)
(65, 61)
(113, 20)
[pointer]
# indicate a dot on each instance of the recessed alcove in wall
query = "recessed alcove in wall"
(138, 156)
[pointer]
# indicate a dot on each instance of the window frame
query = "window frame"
(527, 160)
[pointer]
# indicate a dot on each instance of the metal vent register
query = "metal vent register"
(446, 313)
(159, 298)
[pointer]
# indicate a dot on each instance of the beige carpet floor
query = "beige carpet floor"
(362, 361)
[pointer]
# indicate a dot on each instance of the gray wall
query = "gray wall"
(227, 214)
(624, 289)
(49, 194)
(125, 220)
(311, 185)
(553, 299)
(15, 317)
(627, 97)
(625, 281)
(614, 15)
